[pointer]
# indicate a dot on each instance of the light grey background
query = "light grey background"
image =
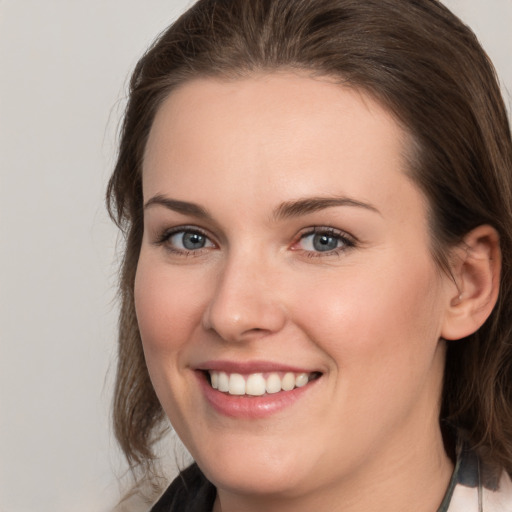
(63, 71)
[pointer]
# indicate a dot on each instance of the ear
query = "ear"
(476, 267)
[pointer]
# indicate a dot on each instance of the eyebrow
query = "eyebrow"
(288, 209)
(313, 204)
(183, 207)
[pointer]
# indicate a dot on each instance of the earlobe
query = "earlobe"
(476, 268)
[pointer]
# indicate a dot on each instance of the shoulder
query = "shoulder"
(500, 499)
(189, 492)
(476, 489)
(482, 499)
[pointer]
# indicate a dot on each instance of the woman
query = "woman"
(316, 196)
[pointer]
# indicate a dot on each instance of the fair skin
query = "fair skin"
(281, 233)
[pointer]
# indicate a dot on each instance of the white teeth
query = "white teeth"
(273, 384)
(215, 380)
(223, 382)
(236, 384)
(301, 380)
(288, 382)
(256, 384)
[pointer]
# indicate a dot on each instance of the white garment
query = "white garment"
(480, 499)
(471, 490)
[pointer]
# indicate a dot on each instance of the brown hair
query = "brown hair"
(424, 65)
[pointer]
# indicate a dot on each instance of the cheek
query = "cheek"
(381, 336)
(167, 307)
(381, 313)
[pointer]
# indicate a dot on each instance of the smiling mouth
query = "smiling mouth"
(258, 384)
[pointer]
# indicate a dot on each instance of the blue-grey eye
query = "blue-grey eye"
(189, 240)
(322, 242)
(325, 242)
(193, 241)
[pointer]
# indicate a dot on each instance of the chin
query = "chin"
(260, 480)
(256, 474)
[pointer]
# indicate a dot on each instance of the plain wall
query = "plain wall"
(63, 72)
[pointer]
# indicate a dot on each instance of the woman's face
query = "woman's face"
(286, 257)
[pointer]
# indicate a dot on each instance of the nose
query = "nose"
(244, 304)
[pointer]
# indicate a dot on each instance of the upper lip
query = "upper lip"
(247, 367)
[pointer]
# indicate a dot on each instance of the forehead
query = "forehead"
(280, 101)
(276, 135)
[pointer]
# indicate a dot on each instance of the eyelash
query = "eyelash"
(347, 241)
(165, 237)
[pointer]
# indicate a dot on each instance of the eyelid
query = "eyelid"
(164, 236)
(348, 240)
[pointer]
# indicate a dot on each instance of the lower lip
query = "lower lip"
(251, 407)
